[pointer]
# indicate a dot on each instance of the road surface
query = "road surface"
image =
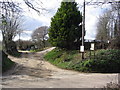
(32, 71)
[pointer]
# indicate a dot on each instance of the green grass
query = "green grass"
(104, 60)
(37, 50)
(61, 58)
(6, 63)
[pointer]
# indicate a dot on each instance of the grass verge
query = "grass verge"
(107, 61)
(6, 63)
(38, 50)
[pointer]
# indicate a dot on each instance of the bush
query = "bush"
(61, 58)
(115, 43)
(107, 61)
(6, 62)
(11, 49)
(112, 86)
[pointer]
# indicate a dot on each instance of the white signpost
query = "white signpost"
(92, 46)
(81, 48)
(82, 51)
(92, 49)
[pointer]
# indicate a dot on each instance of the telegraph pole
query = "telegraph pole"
(83, 20)
(83, 26)
(83, 29)
(118, 10)
(19, 41)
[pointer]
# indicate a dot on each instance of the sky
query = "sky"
(32, 20)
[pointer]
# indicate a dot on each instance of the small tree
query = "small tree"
(39, 36)
(65, 29)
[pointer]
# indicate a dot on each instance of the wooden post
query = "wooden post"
(83, 28)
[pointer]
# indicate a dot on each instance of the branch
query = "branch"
(29, 4)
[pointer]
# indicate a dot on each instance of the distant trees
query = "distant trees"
(116, 12)
(65, 29)
(10, 14)
(24, 44)
(39, 36)
(108, 26)
(103, 27)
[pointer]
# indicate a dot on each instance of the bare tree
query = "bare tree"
(116, 10)
(40, 35)
(13, 6)
(108, 27)
(10, 26)
(103, 31)
(10, 12)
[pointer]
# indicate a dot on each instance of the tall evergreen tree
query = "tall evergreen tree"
(65, 30)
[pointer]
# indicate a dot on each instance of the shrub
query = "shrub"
(105, 61)
(6, 62)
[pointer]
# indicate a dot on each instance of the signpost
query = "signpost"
(83, 30)
(82, 48)
(92, 49)
(83, 24)
(82, 51)
(92, 46)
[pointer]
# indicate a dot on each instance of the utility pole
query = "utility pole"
(83, 20)
(118, 10)
(83, 30)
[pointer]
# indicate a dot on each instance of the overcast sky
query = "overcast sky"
(32, 20)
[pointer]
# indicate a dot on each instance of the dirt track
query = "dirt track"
(31, 71)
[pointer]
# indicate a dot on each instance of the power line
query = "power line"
(83, 26)
(99, 3)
